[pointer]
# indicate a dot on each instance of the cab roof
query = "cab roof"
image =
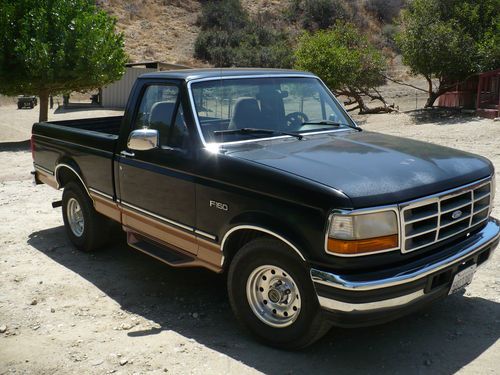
(193, 74)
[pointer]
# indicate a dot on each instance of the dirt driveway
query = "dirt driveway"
(118, 311)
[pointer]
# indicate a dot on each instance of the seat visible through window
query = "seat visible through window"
(161, 119)
(246, 114)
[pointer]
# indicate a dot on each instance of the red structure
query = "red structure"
(488, 94)
(480, 92)
(462, 96)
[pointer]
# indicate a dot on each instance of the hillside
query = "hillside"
(166, 30)
(162, 30)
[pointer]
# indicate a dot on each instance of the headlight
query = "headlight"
(357, 234)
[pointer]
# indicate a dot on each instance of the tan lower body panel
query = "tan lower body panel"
(158, 230)
(107, 207)
(196, 262)
(208, 254)
(46, 178)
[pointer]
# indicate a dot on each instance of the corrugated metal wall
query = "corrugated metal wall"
(116, 94)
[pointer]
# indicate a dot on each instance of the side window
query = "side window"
(157, 110)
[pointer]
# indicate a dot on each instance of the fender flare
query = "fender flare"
(74, 171)
(260, 229)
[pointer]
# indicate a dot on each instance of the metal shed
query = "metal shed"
(116, 94)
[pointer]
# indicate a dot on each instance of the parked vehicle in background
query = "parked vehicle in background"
(263, 175)
(26, 101)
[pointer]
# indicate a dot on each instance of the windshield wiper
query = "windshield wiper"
(323, 122)
(331, 123)
(256, 131)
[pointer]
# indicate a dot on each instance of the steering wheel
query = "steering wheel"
(294, 120)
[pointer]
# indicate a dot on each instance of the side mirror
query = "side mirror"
(143, 139)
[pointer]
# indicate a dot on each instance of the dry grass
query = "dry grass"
(163, 30)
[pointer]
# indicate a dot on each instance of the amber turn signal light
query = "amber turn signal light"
(368, 245)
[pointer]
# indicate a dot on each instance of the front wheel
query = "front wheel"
(272, 294)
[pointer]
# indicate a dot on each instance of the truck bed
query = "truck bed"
(89, 143)
(107, 125)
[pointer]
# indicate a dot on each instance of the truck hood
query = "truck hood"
(372, 169)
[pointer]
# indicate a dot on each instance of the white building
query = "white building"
(116, 94)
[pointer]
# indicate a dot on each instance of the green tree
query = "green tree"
(57, 46)
(446, 41)
(346, 61)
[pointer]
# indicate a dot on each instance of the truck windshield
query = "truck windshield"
(277, 105)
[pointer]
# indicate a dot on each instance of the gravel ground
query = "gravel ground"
(119, 311)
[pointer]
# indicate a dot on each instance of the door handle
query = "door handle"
(127, 154)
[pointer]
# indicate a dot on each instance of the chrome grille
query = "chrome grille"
(433, 219)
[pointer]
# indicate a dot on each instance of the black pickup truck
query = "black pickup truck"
(262, 174)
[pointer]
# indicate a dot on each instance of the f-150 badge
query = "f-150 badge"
(219, 205)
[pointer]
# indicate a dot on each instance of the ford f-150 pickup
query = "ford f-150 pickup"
(262, 174)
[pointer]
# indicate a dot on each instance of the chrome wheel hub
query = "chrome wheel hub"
(273, 296)
(74, 214)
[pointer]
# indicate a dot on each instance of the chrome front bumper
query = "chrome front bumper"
(403, 287)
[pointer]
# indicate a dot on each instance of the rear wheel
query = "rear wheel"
(272, 294)
(86, 228)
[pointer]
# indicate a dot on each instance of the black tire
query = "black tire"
(309, 325)
(19, 106)
(32, 105)
(96, 228)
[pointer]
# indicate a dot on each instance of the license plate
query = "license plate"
(462, 279)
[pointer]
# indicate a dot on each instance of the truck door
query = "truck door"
(156, 189)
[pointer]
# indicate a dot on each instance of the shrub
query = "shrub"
(385, 10)
(316, 14)
(389, 33)
(321, 14)
(222, 15)
(226, 41)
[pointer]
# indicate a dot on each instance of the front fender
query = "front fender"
(272, 225)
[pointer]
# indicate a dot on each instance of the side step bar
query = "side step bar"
(170, 256)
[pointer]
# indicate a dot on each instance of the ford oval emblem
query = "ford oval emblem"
(456, 214)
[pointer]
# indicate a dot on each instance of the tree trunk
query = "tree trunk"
(434, 94)
(431, 99)
(364, 109)
(44, 106)
(357, 97)
(385, 109)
